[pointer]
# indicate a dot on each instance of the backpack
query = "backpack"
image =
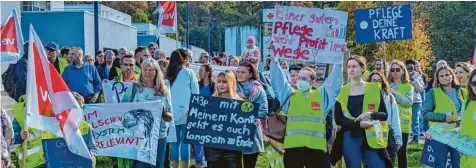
(8, 82)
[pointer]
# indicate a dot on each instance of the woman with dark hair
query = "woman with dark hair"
(393, 119)
(217, 61)
(442, 107)
(251, 89)
(183, 84)
(360, 111)
(468, 122)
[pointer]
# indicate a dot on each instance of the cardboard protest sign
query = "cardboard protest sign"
(57, 154)
(383, 24)
(309, 34)
(221, 123)
(126, 130)
(116, 92)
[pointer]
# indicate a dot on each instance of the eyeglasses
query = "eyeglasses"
(395, 70)
(473, 83)
(445, 75)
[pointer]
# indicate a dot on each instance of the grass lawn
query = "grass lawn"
(414, 153)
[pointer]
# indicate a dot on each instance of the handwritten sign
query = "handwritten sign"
(309, 34)
(57, 154)
(116, 92)
(221, 123)
(461, 143)
(216, 69)
(126, 130)
(428, 155)
(383, 24)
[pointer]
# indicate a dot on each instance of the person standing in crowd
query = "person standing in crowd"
(20, 74)
(6, 139)
(160, 54)
(393, 119)
(217, 61)
(52, 54)
(306, 109)
(90, 60)
(462, 70)
(204, 58)
(105, 69)
(99, 58)
(441, 107)
(403, 92)
(81, 77)
(419, 85)
(152, 47)
(163, 65)
(151, 87)
(223, 57)
(251, 89)
(226, 86)
(122, 53)
(294, 72)
(431, 83)
(359, 107)
(234, 62)
(468, 122)
(140, 53)
(127, 72)
(206, 86)
(251, 53)
(183, 83)
(421, 121)
(64, 54)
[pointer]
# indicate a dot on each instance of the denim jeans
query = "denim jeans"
(416, 108)
(353, 153)
(180, 151)
(199, 154)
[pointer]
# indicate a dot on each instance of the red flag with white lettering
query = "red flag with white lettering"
(51, 106)
(167, 22)
(11, 38)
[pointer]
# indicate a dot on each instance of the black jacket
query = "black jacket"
(212, 86)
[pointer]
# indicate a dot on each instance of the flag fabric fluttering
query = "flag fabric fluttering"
(167, 22)
(50, 105)
(11, 47)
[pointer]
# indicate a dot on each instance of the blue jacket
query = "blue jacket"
(329, 90)
(429, 106)
(20, 76)
(102, 71)
(182, 89)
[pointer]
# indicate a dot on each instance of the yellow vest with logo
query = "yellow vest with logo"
(306, 123)
(444, 105)
(468, 123)
(135, 75)
(405, 114)
(377, 135)
(63, 63)
(35, 154)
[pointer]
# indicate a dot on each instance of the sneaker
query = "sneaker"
(414, 140)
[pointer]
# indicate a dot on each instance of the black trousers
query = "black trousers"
(303, 157)
(402, 153)
(228, 161)
(249, 161)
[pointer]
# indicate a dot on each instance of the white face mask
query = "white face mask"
(303, 85)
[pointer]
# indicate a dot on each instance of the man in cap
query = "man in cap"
(52, 54)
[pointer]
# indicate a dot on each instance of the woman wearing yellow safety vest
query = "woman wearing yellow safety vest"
(35, 154)
(402, 90)
(360, 111)
(393, 119)
(462, 70)
(305, 142)
(441, 107)
(468, 122)
(152, 87)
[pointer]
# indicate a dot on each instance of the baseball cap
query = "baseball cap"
(52, 46)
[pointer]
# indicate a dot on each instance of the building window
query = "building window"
(35, 6)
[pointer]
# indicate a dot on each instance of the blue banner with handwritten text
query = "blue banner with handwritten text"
(383, 24)
(221, 123)
(57, 154)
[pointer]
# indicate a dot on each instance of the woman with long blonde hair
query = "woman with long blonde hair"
(225, 87)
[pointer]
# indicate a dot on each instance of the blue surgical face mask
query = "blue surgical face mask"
(303, 85)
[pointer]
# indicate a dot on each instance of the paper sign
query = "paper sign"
(221, 123)
(57, 154)
(116, 92)
(461, 143)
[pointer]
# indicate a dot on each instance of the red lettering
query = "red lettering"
(323, 19)
(308, 43)
(290, 53)
(119, 141)
(292, 30)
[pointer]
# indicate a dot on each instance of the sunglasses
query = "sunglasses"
(473, 83)
(395, 70)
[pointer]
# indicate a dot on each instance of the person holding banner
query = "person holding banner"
(305, 142)
(393, 119)
(403, 92)
(468, 122)
(360, 111)
(183, 83)
(251, 89)
(226, 87)
(441, 107)
(151, 87)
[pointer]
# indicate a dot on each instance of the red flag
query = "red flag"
(51, 106)
(167, 22)
(11, 38)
